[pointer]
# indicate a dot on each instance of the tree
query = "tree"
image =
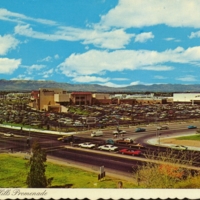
(36, 177)
(167, 170)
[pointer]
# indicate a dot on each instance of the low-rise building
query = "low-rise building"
(81, 98)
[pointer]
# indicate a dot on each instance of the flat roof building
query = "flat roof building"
(81, 98)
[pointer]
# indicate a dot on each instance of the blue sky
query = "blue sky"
(107, 42)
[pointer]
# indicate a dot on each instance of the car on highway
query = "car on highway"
(88, 145)
(192, 127)
(163, 127)
(63, 137)
(96, 133)
(137, 145)
(110, 141)
(8, 134)
(179, 147)
(68, 138)
(119, 132)
(130, 152)
(124, 140)
(108, 147)
(140, 129)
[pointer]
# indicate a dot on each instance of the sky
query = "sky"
(114, 43)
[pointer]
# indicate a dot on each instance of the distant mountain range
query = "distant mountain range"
(29, 85)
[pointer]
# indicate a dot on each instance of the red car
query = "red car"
(130, 152)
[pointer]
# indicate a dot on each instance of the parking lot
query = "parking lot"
(18, 113)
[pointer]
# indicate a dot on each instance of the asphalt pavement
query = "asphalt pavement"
(153, 141)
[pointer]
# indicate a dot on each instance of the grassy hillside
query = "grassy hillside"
(13, 172)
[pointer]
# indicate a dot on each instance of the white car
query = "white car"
(164, 127)
(97, 133)
(8, 134)
(108, 147)
(87, 145)
(119, 132)
(179, 147)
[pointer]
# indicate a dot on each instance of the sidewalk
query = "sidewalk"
(38, 130)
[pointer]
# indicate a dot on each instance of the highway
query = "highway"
(93, 159)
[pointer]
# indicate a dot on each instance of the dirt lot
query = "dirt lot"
(193, 143)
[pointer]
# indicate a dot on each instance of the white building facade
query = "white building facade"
(186, 97)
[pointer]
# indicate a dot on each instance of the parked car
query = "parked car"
(130, 152)
(87, 145)
(179, 147)
(191, 127)
(140, 129)
(163, 127)
(108, 147)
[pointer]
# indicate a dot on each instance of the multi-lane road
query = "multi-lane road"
(93, 159)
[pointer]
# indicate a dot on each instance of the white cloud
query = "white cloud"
(85, 79)
(143, 37)
(169, 39)
(120, 79)
(172, 39)
(49, 58)
(159, 77)
(137, 13)
(36, 67)
(47, 73)
(94, 62)
(194, 35)
(7, 42)
(56, 56)
(110, 84)
(20, 18)
(136, 83)
(188, 78)
(157, 68)
(46, 59)
(32, 68)
(8, 66)
(139, 83)
(114, 39)
(23, 77)
(27, 31)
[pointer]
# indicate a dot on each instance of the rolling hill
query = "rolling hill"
(29, 85)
